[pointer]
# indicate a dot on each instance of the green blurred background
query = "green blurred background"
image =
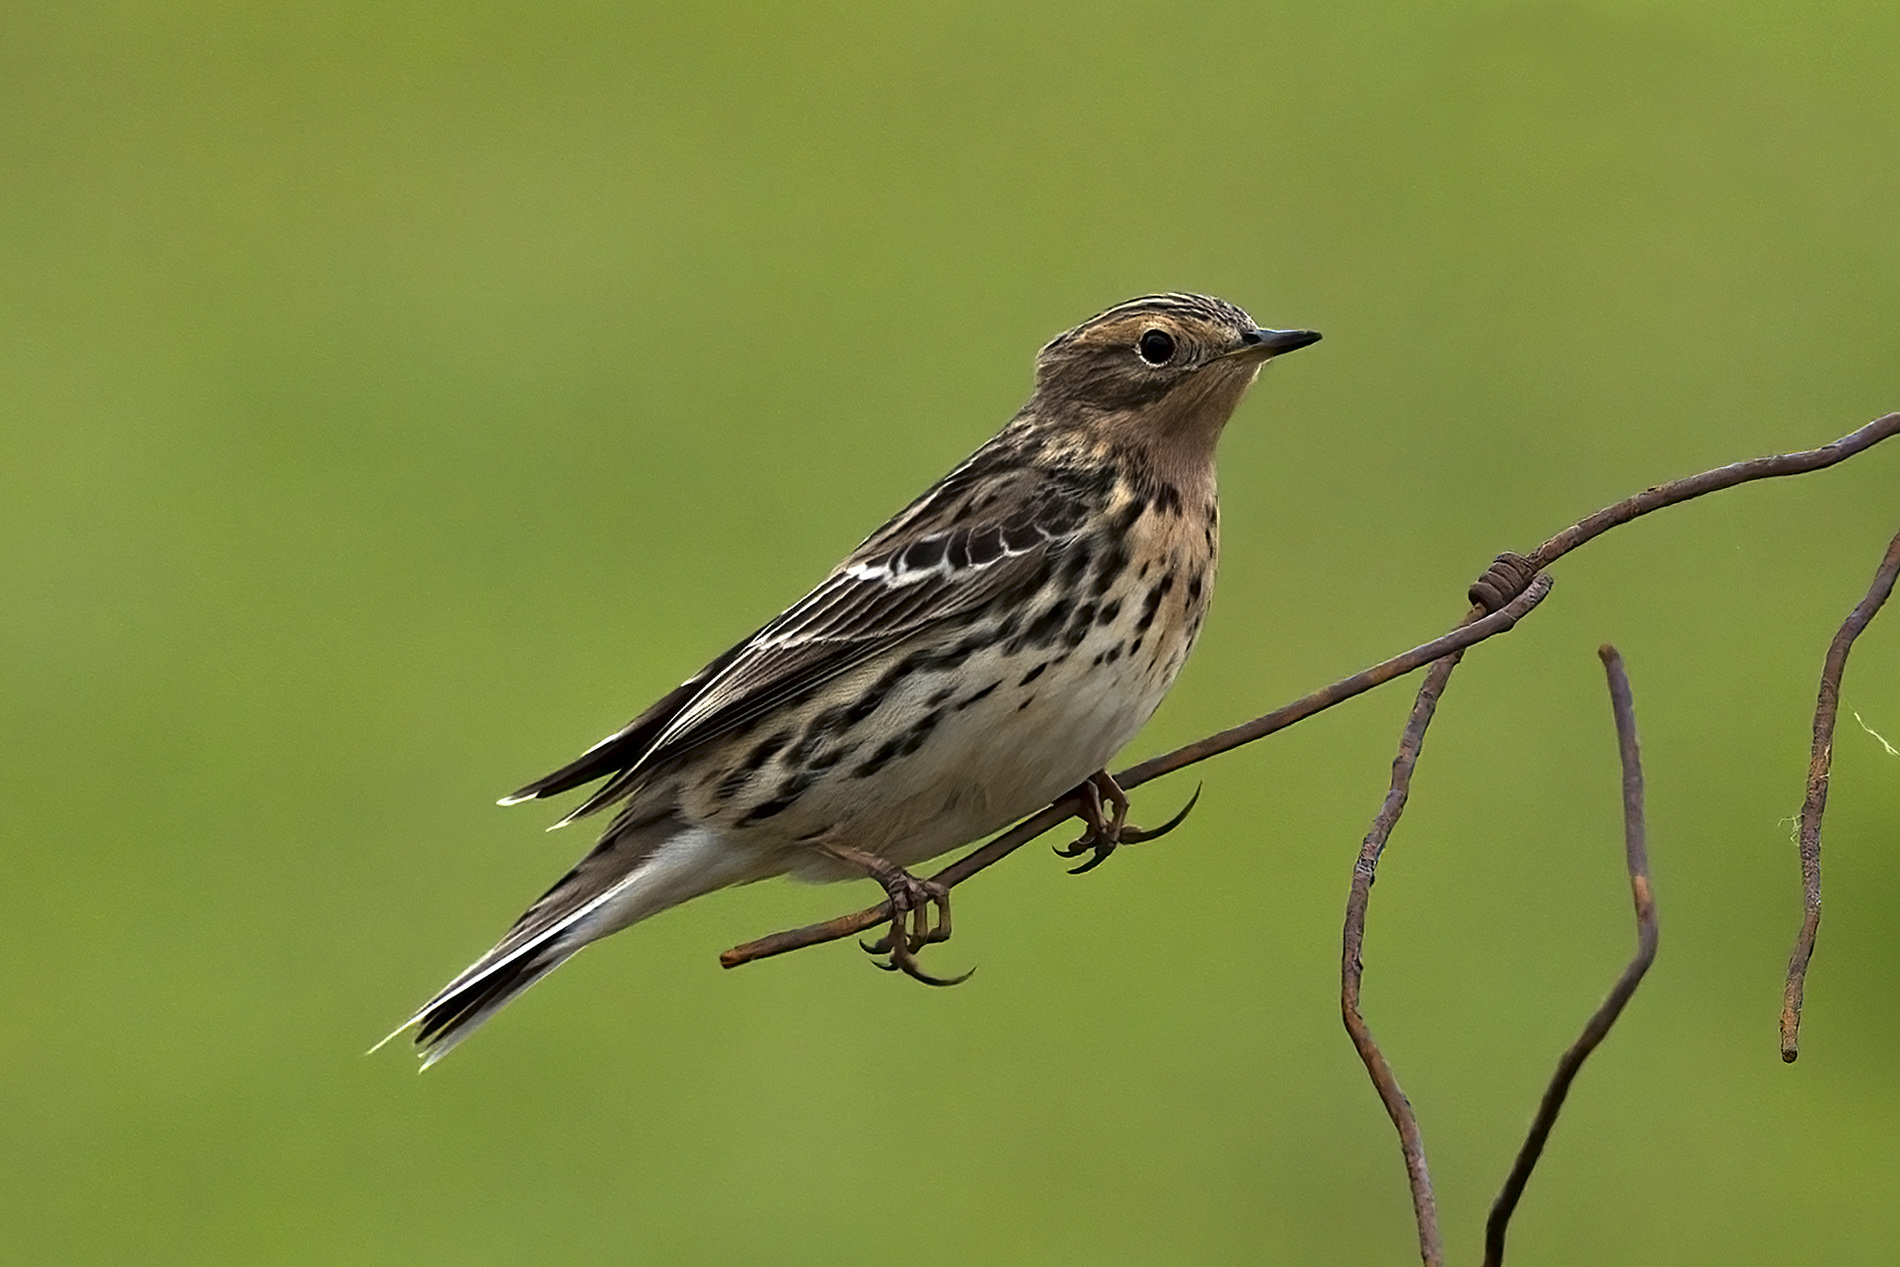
(396, 398)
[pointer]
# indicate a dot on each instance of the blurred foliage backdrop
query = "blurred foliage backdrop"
(397, 397)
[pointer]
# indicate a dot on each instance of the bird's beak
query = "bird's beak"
(1263, 345)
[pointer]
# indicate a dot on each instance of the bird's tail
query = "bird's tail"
(634, 872)
(463, 1005)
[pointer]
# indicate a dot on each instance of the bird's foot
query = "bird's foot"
(911, 926)
(1104, 835)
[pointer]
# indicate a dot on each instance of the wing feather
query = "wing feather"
(944, 558)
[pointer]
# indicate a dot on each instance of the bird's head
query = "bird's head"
(1172, 364)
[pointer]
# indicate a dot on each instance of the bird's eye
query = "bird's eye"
(1156, 347)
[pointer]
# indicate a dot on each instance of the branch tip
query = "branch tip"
(1827, 706)
(1636, 856)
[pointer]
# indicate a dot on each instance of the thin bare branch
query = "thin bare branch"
(1352, 970)
(1819, 761)
(1636, 854)
(1682, 490)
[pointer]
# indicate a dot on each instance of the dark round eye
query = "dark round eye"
(1156, 347)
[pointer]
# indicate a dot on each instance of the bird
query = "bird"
(980, 656)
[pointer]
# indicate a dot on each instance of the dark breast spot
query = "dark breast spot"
(1152, 603)
(1079, 627)
(1044, 629)
(797, 783)
(821, 728)
(766, 748)
(867, 703)
(783, 799)
(900, 746)
(737, 781)
(952, 656)
(982, 694)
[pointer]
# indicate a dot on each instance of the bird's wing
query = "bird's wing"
(974, 537)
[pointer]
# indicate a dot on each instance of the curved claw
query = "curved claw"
(1128, 836)
(909, 968)
(911, 903)
(1135, 835)
(908, 965)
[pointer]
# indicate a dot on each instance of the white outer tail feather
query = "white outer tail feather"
(692, 862)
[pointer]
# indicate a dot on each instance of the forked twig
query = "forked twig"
(1820, 759)
(1636, 854)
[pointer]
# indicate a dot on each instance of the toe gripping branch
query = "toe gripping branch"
(911, 927)
(1103, 836)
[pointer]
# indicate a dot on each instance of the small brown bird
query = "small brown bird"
(979, 656)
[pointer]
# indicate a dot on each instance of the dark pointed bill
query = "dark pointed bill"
(1262, 344)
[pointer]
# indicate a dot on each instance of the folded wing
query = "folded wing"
(943, 560)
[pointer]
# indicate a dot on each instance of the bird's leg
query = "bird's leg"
(1102, 837)
(911, 900)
